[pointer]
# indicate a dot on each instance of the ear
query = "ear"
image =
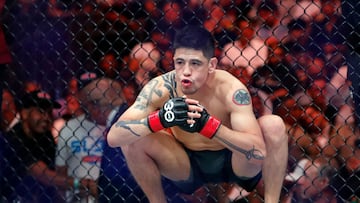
(213, 62)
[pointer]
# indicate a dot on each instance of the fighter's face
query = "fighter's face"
(192, 69)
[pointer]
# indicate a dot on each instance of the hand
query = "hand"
(174, 112)
(206, 125)
(88, 187)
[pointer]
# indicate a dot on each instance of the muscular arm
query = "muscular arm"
(132, 125)
(245, 135)
(50, 177)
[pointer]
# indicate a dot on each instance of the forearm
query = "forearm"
(50, 177)
(127, 132)
(252, 146)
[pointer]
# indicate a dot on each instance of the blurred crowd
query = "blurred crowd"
(291, 54)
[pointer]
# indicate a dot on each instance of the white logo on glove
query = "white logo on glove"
(169, 115)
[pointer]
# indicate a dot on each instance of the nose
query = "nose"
(187, 69)
(47, 115)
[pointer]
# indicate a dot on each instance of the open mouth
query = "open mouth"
(186, 82)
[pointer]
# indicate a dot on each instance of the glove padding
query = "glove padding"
(206, 125)
(174, 112)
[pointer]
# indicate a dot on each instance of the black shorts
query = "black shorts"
(213, 167)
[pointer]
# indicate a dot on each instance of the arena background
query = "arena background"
(303, 64)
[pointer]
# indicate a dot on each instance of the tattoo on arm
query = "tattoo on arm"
(170, 83)
(127, 125)
(249, 154)
(241, 97)
(146, 94)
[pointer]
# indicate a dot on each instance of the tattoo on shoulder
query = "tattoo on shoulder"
(241, 97)
(170, 83)
(144, 97)
(127, 125)
(249, 154)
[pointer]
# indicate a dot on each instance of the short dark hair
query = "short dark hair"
(195, 37)
(39, 99)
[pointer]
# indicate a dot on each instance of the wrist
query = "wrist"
(211, 127)
(154, 122)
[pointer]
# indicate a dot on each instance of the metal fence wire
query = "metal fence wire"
(300, 60)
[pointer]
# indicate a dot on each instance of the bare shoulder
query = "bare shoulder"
(156, 91)
(232, 88)
(226, 80)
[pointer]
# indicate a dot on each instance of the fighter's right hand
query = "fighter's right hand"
(173, 113)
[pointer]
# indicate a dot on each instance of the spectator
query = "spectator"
(351, 25)
(269, 21)
(72, 108)
(9, 114)
(31, 86)
(143, 65)
(326, 39)
(115, 183)
(311, 75)
(56, 40)
(112, 24)
(68, 93)
(306, 10)
(83, 151)
(110, 65)
(80, 141)
(28, 164)
(5, 56)
(243, 56)
(313, 179)
(315, 137)
(147, 57)
(308, 129)
(344, 144)
(166, 63)
(274, 81)
(162, 27)
(221, 24)
(339, 99)
(297, 39)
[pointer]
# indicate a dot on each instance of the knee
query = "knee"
(273, 129)
(133, 150)
(129, 150)
(148, 146)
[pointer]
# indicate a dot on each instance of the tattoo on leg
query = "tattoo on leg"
(249, 154)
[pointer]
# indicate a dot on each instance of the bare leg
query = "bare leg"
(275, 163)
(153, 156)
(145, 171)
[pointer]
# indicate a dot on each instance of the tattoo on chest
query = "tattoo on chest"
(241, 97)
(249, 154)
(127, 125)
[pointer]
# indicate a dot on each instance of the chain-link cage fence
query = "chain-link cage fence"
(299, 59)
